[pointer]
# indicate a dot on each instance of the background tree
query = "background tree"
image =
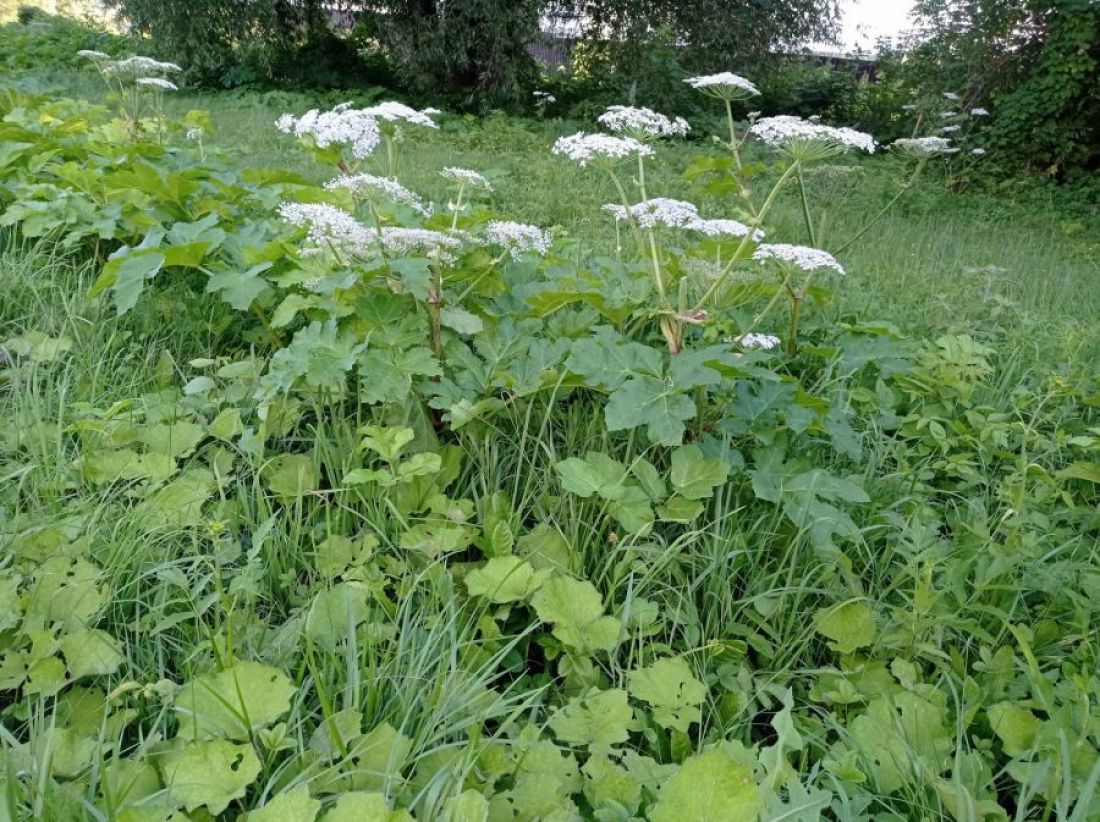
(1036, 63)
(476, 50)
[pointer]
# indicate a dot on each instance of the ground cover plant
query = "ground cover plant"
(712, 490)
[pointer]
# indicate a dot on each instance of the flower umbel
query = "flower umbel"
(392, 112)
(725, 86)
(328, 226)
(157, 82)
(342, 126)
(584, 148)
(465, 177)
(374, 188)
(642, 123)
(805, 140)
(922, 148)
(517, 238)
(800, 256)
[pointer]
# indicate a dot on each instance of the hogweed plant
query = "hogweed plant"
(138, 84)
(402, 244)
(799, 144)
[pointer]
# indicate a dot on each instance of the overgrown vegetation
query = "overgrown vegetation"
(328, 496)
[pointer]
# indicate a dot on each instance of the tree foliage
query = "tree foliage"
(211, 36)
(476, 49)
(1036, 62)
(715, 34)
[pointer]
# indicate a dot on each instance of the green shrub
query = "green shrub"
(44, 41)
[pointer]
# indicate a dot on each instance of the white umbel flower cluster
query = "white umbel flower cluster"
(328, 226)
(787, 132)
(923, 147)
(950, 95)
(661, 212)
(725, 86)
(157, 82)
(407, 242)
(765, 342)
(373, 188)
(393, 112)
(584, 148)
(658, 212)
(978, 112)
(517, 238)
(951, 129)
(93, 55)
(642, 123)
(800, 256)
(342, 126)
(725, 228)
(137, 66)
(465, 177)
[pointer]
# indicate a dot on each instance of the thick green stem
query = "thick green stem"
(874, 221)
(764, 209)
(806, 208)
(784, 288)
(626, 204)
(458, 206)
(792, 331)
(735, 148)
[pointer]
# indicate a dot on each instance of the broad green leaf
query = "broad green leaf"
(210, 774)
(239, 288)
(290, 475)
(227, 424)
(90, 653)
(46, 677)
(376, 758)
(335, 612)
(288, 309)
(901, 738)
(360, 806)
(71, 752)
(385, 374)
(37, 346)
(106, 466)
(461, 320)
(575, 608)
(180, 502)
(1081, 470)
(610, 787)
(709, 787)
(678, 509)
(126, 273)
(66, 592)
(336, 554)
(596, 474)
(174, 439)
(694, 476)
(545, 779)
(1017, 727)
(801, 805)
(233, 703)
(850, 626)
(386, 441)
(632, 510)
(653, 403)
(546, 548)
(597, 720)
(468, 806)
(670, 688)
(649, 478)
(503, 579)
(607, 359)
(291, 806)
